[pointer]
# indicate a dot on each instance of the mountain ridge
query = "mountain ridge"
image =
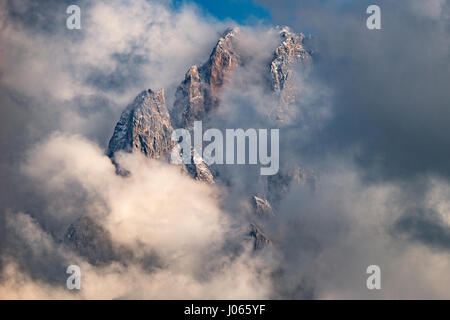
(146, 124)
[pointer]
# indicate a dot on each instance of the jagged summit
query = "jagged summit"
(288, 56)
(197, 95)
(289, 52)
(190, 104)
(223, 60)
(199, 92)
(144, 126)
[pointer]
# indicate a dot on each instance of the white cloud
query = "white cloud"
(155, 210)
(142, 43)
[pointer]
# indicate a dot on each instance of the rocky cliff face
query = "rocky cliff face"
(144, 126)
(289, 55)
(198, 94)
(198, 169)
(190, 100)
(290, 52)
(260, 239)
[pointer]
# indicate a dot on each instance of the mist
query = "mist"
(367, 134)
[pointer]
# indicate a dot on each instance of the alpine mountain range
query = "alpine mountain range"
(146, 126)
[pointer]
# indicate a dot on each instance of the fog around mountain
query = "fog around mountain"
(363, 173)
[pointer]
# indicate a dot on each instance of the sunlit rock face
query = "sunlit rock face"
(190, 99)
(198, 94)
(144, 126)
(288, 57)
(290, 52)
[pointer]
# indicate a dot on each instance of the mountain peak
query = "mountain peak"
(222, 61)
(230, 32)
(291, 52)
(198, 93)
(144, 126)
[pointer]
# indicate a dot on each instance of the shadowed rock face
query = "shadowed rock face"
(144, 126)
(222, 61)
(260, 239)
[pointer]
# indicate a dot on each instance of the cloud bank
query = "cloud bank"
(173, 227)
(370, 122)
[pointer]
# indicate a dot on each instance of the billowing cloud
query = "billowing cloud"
(390, 85)
(156, 211)
(371, 122)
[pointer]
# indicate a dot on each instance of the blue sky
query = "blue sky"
(241, 11)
